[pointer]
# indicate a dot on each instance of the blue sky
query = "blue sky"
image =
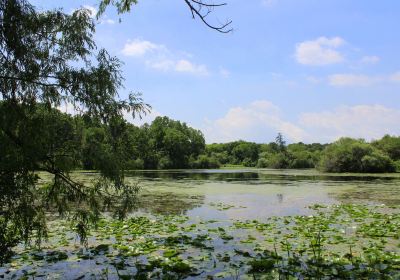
(312, 70)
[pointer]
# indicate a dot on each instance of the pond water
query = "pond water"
(258, 193)
(232, 224)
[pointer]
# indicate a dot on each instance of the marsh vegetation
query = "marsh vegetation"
(233, 224)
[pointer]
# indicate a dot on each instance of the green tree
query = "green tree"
(280, 143)
(246, 153)
(351, 155)
(389, 145)
(48, 59)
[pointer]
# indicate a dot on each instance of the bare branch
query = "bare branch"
(223, 28)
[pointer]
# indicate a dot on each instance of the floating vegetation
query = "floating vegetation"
(338, 241)
(222, 207)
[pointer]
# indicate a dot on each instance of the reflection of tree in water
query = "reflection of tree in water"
(280, 197)
(168, 202)
(388, 194)
(197, 175)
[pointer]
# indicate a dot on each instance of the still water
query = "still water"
(258, 193)
(218, 212)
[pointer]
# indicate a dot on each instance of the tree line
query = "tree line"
(90, 144)
(343, 155)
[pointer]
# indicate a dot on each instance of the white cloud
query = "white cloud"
(361, 121)
(321, 51)
(268, 3)
(140, 47)
(343, 80)
(107, 21)
(261, 120)
(395, 77)
(224, 72)
(160, 58)
(359, 80)
(93, 12)
(161, 64)
(313, 79)
(148, 118)
(372, 59)
(184, 65)
(68, 108)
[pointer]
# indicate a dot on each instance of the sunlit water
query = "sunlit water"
(223, 196)
(258, 193)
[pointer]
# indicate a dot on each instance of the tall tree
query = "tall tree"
(48, 59)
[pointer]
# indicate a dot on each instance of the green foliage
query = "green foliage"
(346, 241)
(174, 143)
(276, 160)
(205, 162)
(273, 155)
(351, 155)
(390, 145)
(49, 59)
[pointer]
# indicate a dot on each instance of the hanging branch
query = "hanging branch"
(196, 7)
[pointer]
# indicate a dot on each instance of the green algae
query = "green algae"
(345, 241)
(235, 224)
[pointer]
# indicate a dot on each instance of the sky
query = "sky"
(312, 70)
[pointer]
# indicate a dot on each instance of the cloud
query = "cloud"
(140, 48)
(395, 77)
(93, 12)
(344, 80)
(107, 21)
(159, 57)
(313, 79)
(321, 51)
(224, 72)
(148, 118)
(182, 66)
(373, 59)
(260, 121)
(268, 3)
(360, 121)
(359, 80)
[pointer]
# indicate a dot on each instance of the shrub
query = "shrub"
(204, 162)
(351, 155)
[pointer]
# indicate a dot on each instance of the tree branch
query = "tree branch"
(197, 11)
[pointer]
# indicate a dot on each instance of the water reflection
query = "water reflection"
(258, 193)
(280, 197)
(260, 175)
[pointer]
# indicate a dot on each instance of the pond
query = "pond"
(258, 193)
(233, 224)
